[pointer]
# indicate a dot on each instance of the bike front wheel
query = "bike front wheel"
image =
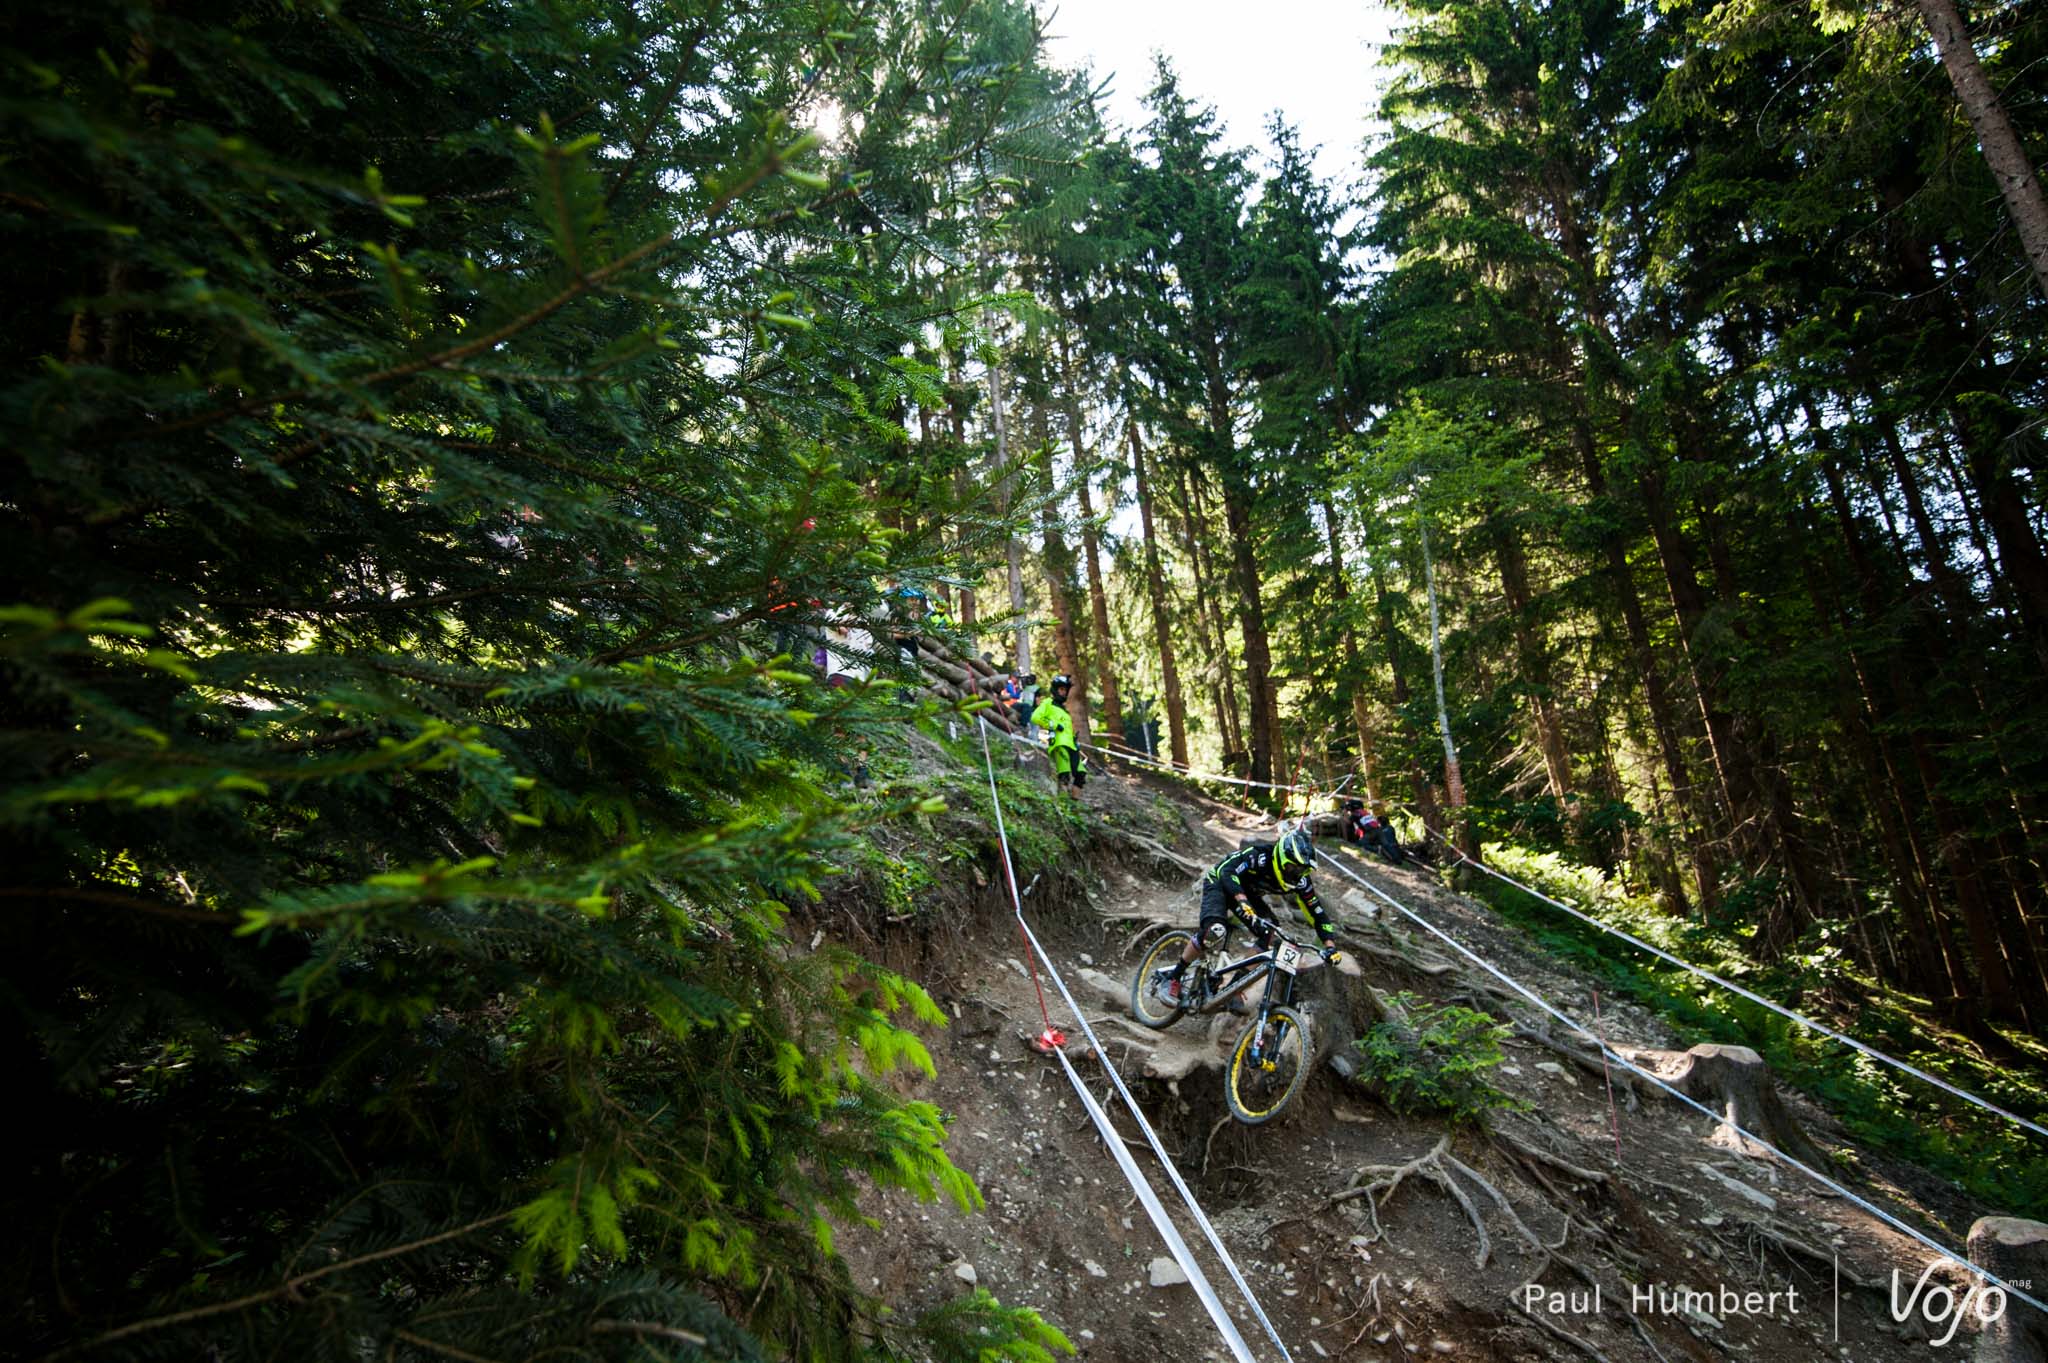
(1163, 955)
(1268, 1066)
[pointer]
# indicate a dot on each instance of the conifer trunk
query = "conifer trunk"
(2007, 983)
(1251, 614)
(1784, 829)
(963, 487)
(1663, 715)
(1354, 679)
(1535, 660)
(1005, 500)
(1688, 603)
(2007, 159)
(1454, 777)
(1228, 720)
(1057, 561)
(1155, 589)
(1091, 558)
(1244, 562)
(1425, 789)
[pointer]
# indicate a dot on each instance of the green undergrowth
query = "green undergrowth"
(932, 861)
(1437, 1059)
(1981, 1153)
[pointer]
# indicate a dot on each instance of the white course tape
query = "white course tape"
(1818, 1027)
(1160, 1220)
(1619, 1059)
(1144, 1126)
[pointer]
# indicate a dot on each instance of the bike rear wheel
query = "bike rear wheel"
(1259, 1089)
(1160, 957)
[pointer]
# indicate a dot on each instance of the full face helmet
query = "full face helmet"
(1061, 685)
(1293, 856)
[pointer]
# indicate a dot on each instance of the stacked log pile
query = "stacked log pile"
(952, 677)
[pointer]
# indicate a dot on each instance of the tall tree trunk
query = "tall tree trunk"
(1244, 561)
(2003, 153)
(1058, 562)
(1466, 832)
(1961, 858)
(963, 487)
(1663, 715)
(2005, 510)
(1688, 602)
(1938, 968)
(1354, 679)
(1786, 830)
(1209, 616)
(1425, 789)
(1005, 502)
(1155, 589)
(1535, 660)
(1251, 616)
(1955, 593)
(1199, 555)
(1091, 558)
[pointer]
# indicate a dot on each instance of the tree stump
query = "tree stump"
(1736, 1081)
(2017, 1251)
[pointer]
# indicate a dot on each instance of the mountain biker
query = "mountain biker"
(1236, 888)
(1068, 765)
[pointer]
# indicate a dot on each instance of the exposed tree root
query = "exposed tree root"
(1163, 856)
(1440, 1166)
(1773, 1233)
(1514, 1145)
(1382, 943)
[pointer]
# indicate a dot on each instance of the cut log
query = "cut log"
(1735, 1081)
(2017, 1251)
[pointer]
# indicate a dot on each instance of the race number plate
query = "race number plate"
(1288, 957)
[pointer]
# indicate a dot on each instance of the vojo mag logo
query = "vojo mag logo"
(1942, 1307)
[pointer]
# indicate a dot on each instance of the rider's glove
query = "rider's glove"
(1332, 956)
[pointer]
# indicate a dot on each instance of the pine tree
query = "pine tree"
(430, 422)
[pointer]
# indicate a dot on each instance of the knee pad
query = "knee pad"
(1213, 935)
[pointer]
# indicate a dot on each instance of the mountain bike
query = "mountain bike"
(1269, 1061)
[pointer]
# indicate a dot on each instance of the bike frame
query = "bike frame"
(1243, 974)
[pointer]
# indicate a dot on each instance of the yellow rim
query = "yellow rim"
(1239, 1065)
(1153, 961)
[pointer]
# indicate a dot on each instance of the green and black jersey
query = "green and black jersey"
(1249, 871)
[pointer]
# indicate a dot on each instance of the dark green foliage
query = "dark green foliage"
(1434, 1058)
(1981, 1153)
(425, 422)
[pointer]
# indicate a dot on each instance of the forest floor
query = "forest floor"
(1640, 1193)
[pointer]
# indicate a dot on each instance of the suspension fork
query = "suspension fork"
(1285, 988)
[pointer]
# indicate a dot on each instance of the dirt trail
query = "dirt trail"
(1063, 1233)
